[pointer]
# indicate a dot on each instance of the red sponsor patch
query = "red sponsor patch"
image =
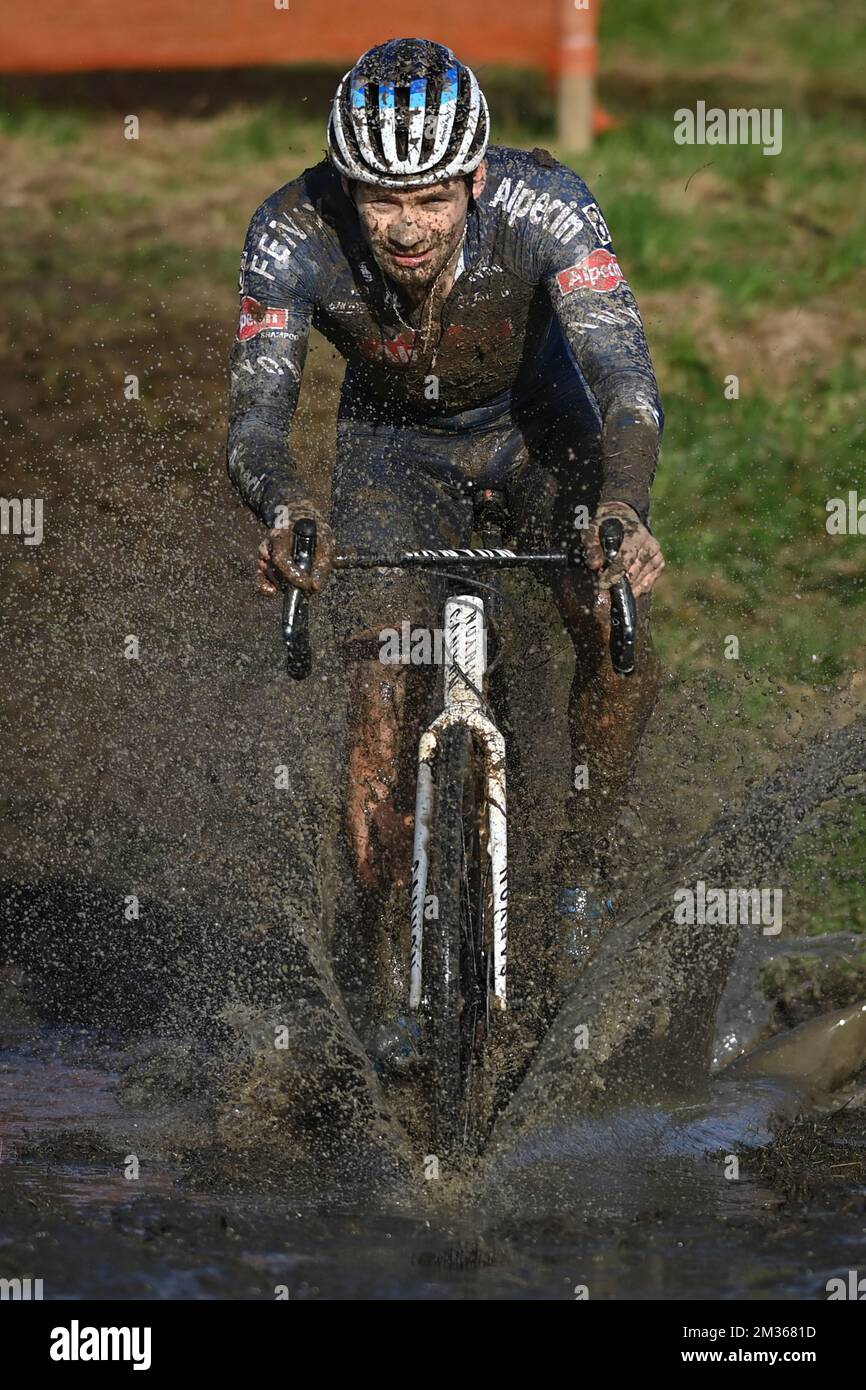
(400, 351)
(258, 318)
(598, 271)
(397, 351)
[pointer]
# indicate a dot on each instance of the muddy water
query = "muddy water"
(661, 1223)
(148, 1033)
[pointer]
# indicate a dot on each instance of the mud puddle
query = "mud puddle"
(672, 1228)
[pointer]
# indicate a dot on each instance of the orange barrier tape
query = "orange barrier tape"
(56, 36)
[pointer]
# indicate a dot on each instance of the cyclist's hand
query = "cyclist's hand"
(276, 567)
(640, 555)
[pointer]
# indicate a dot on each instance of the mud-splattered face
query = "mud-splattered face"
(413, 232)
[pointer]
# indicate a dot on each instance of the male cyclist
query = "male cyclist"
(490, 340)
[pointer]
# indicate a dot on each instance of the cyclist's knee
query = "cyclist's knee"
(376, 690)
(383, 697)
(586, 617)
(363, 648)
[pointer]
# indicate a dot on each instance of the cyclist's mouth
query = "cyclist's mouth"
(410, 259)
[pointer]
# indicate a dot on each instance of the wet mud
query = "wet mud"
(187, 1109)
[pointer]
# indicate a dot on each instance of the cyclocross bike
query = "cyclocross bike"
(458, 965)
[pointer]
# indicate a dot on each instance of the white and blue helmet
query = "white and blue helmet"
(406, 115)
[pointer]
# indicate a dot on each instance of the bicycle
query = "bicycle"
(458, 964)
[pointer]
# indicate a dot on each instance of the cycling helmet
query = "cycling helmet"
(406, 115)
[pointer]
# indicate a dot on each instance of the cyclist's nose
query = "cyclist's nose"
(406, 233)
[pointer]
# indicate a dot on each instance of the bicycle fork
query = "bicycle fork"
(465, 664)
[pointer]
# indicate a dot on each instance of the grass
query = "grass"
(742, 498)
(57, 129)
(823, 1159)
(273, 131)
(824, 893)
(779, 36)
(827, 877)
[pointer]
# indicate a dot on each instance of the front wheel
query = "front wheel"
(456, 940)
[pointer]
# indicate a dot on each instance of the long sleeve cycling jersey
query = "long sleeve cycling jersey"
(537, 268)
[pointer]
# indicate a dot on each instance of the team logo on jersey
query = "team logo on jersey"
(258, 318)
(396, 351)
(401, 351)
(598, 271)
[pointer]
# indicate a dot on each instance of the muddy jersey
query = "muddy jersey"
(538, 291)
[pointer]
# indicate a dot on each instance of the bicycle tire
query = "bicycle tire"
(454, 961)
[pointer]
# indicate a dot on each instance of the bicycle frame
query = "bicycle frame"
(465, 665)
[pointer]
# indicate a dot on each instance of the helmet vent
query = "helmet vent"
(408, 114)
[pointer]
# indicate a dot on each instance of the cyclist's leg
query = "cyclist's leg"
(387, 706)
(607, 713)
(383, 503)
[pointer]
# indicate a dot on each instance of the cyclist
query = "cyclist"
(490, 339)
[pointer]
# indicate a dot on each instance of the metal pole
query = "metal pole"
(578, 64)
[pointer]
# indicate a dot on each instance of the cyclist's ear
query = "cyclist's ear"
(475, 182)
(348, 187)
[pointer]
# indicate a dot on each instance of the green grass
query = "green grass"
(270, 132)
(793, 221)
(743, 485)
(809, 36)
(824, 894)
(29, 121)
(827, 876)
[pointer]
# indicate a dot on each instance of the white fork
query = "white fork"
(465, 664)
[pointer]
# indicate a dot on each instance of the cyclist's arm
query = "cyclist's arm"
(267, 359)
(603, 327)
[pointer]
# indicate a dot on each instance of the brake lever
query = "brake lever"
(623, 608)
(296, 631)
